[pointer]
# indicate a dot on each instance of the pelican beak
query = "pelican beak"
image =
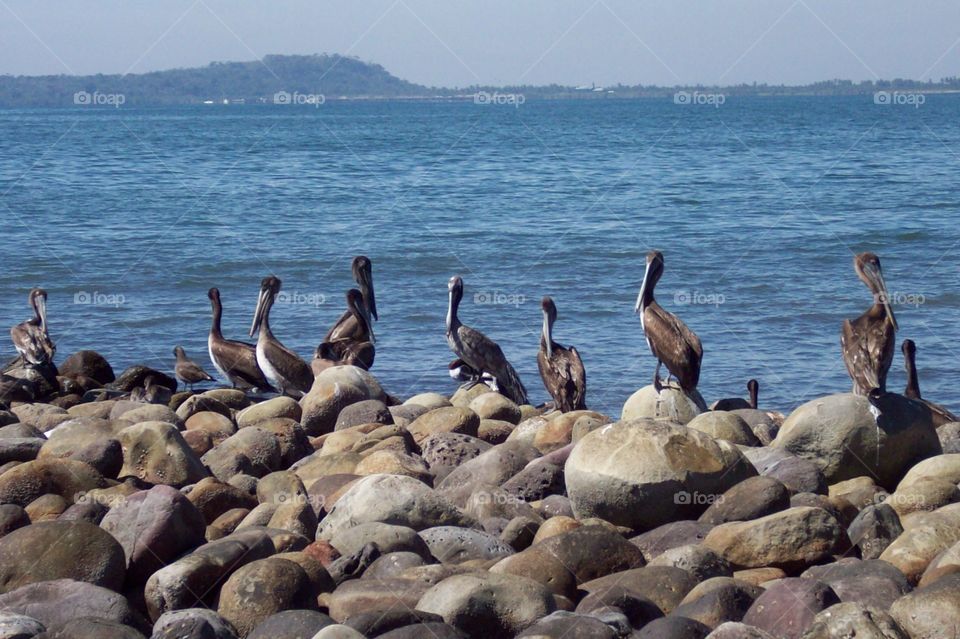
(366, 318)
(258, 313)
(876, 275)
(366, 288)
(643, 288)
(42, 312)
(547, 338)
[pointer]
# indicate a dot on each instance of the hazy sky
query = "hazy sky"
(459, 43)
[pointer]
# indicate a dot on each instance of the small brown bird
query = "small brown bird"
(188, 371)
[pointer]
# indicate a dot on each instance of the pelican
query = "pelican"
(282, 367)
(941, 415)
(461, 372)
(348, 326)
(868, 342)
(355, 351)
(669, 339)
(188, 371)
(738, 403)
(236, 361)
(32, 337)
(560, 367)
(480, 352)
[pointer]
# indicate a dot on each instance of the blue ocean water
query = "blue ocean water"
(127, 216)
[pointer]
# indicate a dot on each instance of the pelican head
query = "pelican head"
(359, 310)
(753, 387)
(651, 276)
(214, 295)
(269, 287)
(363, 275)
(455, 287)
(549, 317)
(909, 349)
(38, 300)
(867, 266)
(178, 352)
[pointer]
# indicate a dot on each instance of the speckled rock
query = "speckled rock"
(930, 612)
(492, 468)
(59, 601)
(874, 529)
(453, 419)
(252, 451)
(387, 537)
(263, 588)
(156, 452)
(724, 425)
(698, 560)
(443, 452)
(673, 535)
(854, 620)
(192, 623)
(788, 607)
(752, 498)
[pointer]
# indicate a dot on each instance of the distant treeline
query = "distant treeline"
(317, 78)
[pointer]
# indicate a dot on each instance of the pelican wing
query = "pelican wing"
(563, 376)
(674, 344)
(352, 352)
(32, 343)
(867, 345)
(485, 355)
(346, 327)
(238, 361)
(289, 366)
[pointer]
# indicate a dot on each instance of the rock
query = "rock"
(105, 456)
(46, 508)
(859, 491)
(263, 588)
(292, 624)
(872, 583)
(338, 632)
(217, 426)
(148, 413)
(393, 499)
(53, 550)
(752, 498)
(495, 406)
(388, 538)
(393, 463)
(137, 375)
(556, 526)
(488, 604)
(854, 620)
(321, 406)
(156, 452)
(718, 600)
(443, 452)
(949, 435)
(318, 465)
(452, 419)
(674, 628)
(293, 440)
(93, 627)
(874, 529)
(464, 395)
(944, 467)
(75, 434)
(798, 474)
(839, 434)
(392, 564)
(930, 612)
(428, 401)
(788, 607)
(698, 560)
(353, 566)
(14, 626)
(945, 563)
(272, 408)
(450, 544)
(490, 468)
(645, 473)
(520, 532)
(154, 527)
(929, 494)
(543, 567)
(494, 431)
(192, 623)
(378, 623)
(405, 413)
(213, 498)
(324, 492)
(734, 630)
(638, 610)
(537, 481)
(11, 518)
(354, 376)
(59, 601)
(673, 535)
(526, 431)
(720, 424)
(20, 449)
(671, 403)
(590, 552)
(926, 535)
(566, 625)
(368, 411)
(251, 451)
(193, 579)
(788, 539)
(361, 596)
(279, 488)
(226, 523)
(665, 586)
(486, 503)
(87, 364)
(198, 404)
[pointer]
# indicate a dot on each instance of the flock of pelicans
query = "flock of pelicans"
(867, 342)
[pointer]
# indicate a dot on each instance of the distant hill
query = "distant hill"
(331, 76)
(307, 79)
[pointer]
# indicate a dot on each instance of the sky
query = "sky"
(458, 43)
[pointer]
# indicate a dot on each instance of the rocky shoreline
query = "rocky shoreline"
(353, 513)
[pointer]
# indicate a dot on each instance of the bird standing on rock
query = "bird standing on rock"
(869, 341)
(669, 339)
(283, 368)
(188, 371)
(237, 361)
(32, 337)
(560, 367)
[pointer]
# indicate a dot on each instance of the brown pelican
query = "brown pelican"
(236, 361)
(283, 368)
(348, 326)
(738, 403)
(188, 371)
(461, 371)
(32, 338)
(868, 342)
(941, 415)
(480, 352)
(669, 339)
(355, 351)
(560, 367)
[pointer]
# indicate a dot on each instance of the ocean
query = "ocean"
(128, 215)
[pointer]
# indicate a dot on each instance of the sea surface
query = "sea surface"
(127, 216)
